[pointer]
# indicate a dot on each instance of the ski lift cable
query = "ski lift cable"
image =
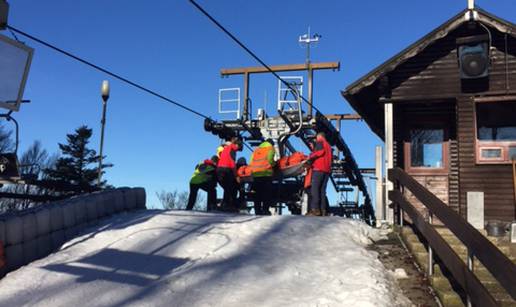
(106, 71)
(251, 53)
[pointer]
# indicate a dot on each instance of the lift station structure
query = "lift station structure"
(293, 121)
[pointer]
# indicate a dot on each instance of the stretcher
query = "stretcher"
(288, 166)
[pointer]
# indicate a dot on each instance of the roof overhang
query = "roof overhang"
(352, 92)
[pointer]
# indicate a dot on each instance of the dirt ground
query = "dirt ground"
(415, 287)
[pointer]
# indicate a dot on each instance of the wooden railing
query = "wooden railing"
(503, 270)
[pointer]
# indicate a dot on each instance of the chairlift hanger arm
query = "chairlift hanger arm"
(279, 68)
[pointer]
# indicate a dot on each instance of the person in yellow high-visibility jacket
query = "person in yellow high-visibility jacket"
(262, 169)
(204, 178)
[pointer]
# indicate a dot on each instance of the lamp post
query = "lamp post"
(105, 96)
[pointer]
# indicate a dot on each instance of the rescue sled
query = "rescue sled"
(288, 166)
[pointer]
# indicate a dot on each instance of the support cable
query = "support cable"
(251, 53)
(106, 71)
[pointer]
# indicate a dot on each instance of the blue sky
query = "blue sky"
(171, 48)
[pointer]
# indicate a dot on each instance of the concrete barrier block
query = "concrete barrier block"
(43, 221)
(57, 238)
(81, 216)
(69, 215)
(109, 202)
(56, 218)
(14, 257)
(118, 200)
(129, 199)
(101, 200)
(141, 198)
(30, 227)
(30, 251)
(71, 233)
(91, 210)
(44, 245)
(13, 230)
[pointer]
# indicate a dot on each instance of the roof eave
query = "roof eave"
(414, 49)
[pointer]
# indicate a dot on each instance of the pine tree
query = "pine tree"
(74, 165)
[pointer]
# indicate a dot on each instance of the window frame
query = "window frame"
(491, 144)
(422, 170)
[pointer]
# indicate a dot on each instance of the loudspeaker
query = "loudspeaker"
(473, 57)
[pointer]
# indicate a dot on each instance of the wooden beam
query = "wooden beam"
(389, 157)
(417, 99)
(505, 98)
(487, 97)
(343, 117)
(279, 68)
(380, 208)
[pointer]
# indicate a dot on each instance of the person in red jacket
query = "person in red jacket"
(322, 159)
(226, 173)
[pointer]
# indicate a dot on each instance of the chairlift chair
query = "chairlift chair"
(15, 61)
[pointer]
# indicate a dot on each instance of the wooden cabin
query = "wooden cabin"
(451, 97)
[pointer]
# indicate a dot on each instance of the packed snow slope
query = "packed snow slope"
(178, 258)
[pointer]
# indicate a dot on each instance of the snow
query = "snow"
(178, 258)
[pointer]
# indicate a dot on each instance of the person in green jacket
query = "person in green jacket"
(204, 178)
(262, 169)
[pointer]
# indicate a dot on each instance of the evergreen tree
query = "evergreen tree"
(74, 165)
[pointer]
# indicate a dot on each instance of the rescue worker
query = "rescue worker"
(321, 159)
(262, 168)
(226, 173)
(240, 165)
(204, 178)
(221, 148)
(307, 182)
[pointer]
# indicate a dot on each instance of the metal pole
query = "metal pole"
(310, 86)
(246, 96)
(103, 124)
(309, 38)
(338, 130)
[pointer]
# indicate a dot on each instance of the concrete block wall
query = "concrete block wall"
(35, 233)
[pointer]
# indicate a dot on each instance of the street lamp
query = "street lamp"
(105, 96)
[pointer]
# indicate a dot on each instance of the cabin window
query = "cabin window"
(512, 152)
(496, 132)
(426, 148)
